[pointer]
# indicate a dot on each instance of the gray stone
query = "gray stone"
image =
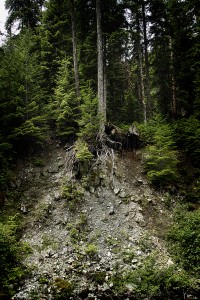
(111, 210)
(92, 189)
(56, 195)
(116, 191)
(53, 169)
(24, 208)
(122, 194)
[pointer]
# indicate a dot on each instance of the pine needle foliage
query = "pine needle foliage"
(89, 121)
(187, 133)
(82, 151)
(160, 154)
(64, 107)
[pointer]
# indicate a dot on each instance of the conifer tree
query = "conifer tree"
(26, 13)
(64, 106)
(22, 116)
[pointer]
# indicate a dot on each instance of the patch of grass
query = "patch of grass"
(73, 193)
(63, 289)
(38, 162)
(128, 255)
(98, 277)
(91, 250)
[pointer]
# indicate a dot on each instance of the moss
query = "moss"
(43, 280)
(74, 233)
(73, 193)
(82, 151)
(38, 162)
(128, 256)
(63, 289)
(91, 250)
(98, 277)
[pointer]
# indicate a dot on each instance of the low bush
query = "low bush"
(63, 289)
(12, 270)
(184, 240)
(160, 155)
(151, 281)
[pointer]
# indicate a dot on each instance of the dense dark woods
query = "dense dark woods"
(74, 65)
(139, 58)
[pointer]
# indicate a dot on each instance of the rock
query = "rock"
(56, 195)
(53, 169)
(140, 181)
(111, 210)
(122, 194)
(116, 191)
(130, 287)
(70, 260)
(91, 189)
(13, 184)
(140, 219)
(24, 208)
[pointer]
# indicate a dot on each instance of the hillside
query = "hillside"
(84, 232)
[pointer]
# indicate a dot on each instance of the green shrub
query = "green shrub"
(184, 238)
(160, 155)
(11, 253)
(187, 134)
(147, 131)
(152, 281)
(38, 162)
(72, 192)
(91, 250)
(82, 151)
(63, 289)
(5, 157)
(98, 277)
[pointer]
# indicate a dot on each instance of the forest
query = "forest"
(69, 68)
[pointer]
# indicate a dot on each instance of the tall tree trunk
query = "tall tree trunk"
(173, 82)
(141, 89)
(74, 43)
(146, 57)
(101, 77)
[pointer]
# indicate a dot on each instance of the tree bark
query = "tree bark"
(101, 73)
(173, 82)
(146, 57)
(141, 89)
(74, 43)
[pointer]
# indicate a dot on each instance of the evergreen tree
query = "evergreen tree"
(64, 107)
(25, 13)
(21, 107)
(56, 45)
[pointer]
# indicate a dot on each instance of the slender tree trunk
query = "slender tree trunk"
(141, 89)
(101, 76)
(105, 91)
(74, 43)
(173, 82)
(146, 57)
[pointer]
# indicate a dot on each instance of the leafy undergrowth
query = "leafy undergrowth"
(12, 252)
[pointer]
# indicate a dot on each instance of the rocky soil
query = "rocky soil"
(84, 231)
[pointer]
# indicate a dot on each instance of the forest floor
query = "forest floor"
(82, 232)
